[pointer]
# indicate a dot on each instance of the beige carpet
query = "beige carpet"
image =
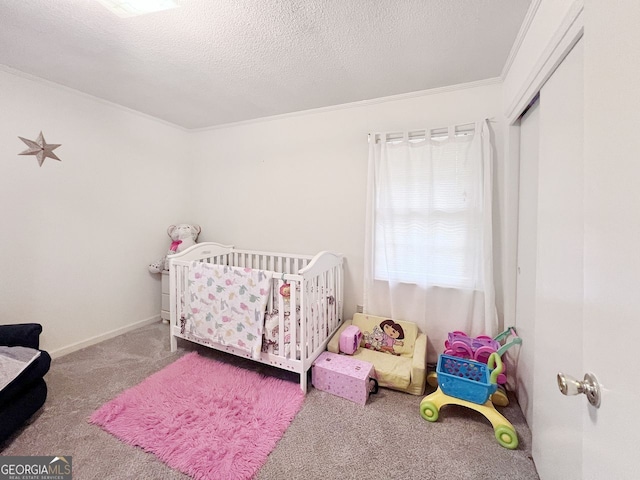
(330, 437)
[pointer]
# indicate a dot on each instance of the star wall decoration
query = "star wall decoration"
(40, 148)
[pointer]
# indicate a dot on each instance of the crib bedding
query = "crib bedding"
(280, 297)
(245, 333)
(227, 305)
(271, 334)
(200, 312)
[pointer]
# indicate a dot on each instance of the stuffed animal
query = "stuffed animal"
(373, 340)
(182, 236)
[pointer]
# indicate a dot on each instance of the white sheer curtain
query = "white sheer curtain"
(428, 250)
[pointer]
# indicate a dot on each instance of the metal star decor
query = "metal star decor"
(40, 148)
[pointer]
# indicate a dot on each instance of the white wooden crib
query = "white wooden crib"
(313, 307)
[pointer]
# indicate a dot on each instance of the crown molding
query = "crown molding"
(361, 103)
(565, 37)
(522, 33)
(59, 86)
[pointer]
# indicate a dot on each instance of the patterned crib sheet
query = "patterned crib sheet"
(226, 305)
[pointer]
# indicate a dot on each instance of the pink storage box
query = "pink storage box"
(344, 376)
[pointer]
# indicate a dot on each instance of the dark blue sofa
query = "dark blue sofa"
(27, 393)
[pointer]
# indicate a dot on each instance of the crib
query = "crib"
(297, 325)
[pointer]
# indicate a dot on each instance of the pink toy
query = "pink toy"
(350, 339)
(344, 376)
(481, 347)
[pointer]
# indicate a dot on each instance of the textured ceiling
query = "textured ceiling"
(211, 62)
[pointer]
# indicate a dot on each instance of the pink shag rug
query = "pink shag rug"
(204, 418)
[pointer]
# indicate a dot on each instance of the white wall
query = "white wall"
(297, 183)
(78, 235)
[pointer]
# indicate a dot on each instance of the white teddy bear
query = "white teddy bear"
(182, 237)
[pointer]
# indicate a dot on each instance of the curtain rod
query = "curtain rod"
(461, 130)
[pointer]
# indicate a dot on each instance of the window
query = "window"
(428, 210)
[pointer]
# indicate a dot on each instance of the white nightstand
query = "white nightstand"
(164, 309)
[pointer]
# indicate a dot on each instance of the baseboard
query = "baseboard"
(101, 338)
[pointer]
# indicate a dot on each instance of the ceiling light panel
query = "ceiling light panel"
(133, 8)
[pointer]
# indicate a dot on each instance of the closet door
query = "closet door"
(527, 244)
(556, 421)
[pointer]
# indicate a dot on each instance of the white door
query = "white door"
(559, 285)
(611, 434)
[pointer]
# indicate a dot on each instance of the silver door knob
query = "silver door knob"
(589, 386)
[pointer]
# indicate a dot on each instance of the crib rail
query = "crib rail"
(205, 251)
(276, 262)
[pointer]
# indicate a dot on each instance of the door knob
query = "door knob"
(589, 386)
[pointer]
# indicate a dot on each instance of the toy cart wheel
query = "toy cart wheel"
(507, 437)
(499, 398)
(429, 411)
